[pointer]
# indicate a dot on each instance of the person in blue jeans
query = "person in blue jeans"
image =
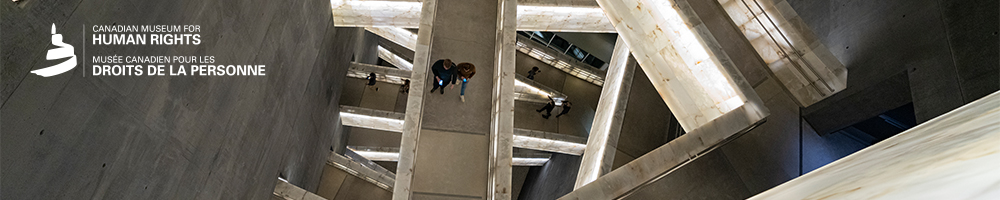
(465, 72)
(444, 74)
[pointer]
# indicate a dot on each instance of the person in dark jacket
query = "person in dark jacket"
(566, 106)
(531, 74)
(465, 72)
(548, 108)
(444, 74)
(371, 81)
(405, 88)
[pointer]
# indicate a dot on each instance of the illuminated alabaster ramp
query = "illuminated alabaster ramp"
(693, 75)
(439, 158)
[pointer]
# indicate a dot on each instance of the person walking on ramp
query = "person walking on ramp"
(444, 74)
(548, 108)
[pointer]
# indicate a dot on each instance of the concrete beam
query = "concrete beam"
(603, 140)
(391, 154)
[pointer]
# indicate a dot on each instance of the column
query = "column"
(603, 140)
(446, 144)
(502, 127)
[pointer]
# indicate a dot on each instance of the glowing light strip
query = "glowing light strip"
(372, 122)
(550, 145)
(394, 157)
(597, 144)
(378, 156)
(529, 161)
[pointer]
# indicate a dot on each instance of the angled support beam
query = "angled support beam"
(603, 140)
(391, 154)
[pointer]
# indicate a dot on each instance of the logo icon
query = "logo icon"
(63, 51)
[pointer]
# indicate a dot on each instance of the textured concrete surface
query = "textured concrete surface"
(647, 120)
(947, 50)
(69, 136)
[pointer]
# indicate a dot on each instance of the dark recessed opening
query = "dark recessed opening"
(41, 132)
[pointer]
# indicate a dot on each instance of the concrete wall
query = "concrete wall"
(73, 136)
(552, 180)
(946, 49)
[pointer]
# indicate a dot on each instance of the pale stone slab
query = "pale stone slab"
(603, 140)
(796, 57)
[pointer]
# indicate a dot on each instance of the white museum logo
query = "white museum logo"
(63, 50)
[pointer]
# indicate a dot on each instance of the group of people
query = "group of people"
(447, 72)
(566, 105)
